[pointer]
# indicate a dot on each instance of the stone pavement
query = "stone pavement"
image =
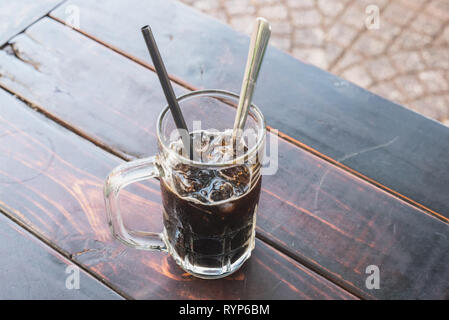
(405, 57)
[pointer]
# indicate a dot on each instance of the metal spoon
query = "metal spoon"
(259, 41)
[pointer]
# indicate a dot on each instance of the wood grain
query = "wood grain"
(322, 216)
(52, 180)
(383, 141)
(18, 14)
(32, 270)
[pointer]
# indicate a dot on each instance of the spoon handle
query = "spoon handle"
(259, 41)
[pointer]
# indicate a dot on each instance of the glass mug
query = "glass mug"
(209, 208)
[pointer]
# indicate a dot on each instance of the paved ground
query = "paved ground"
(405, 59)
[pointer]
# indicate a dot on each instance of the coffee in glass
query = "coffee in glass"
(209, 200)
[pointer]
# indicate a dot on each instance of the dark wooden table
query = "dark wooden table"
(361, 181)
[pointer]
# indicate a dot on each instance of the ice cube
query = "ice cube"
(237, 174)
(184, 183)
(204, 176)
(200, 196)
(221, 190)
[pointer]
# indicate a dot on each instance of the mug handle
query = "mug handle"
(119, 178)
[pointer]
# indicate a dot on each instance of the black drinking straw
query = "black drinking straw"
(167, 87)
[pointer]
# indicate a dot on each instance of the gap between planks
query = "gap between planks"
(47, 14)
(5, 212)
(321, 271)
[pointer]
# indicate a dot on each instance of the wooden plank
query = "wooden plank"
(396, 147)
(32, 270)
(18, 14)
(52, 180)
(321, 215)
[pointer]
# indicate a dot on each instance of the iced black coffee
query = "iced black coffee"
(210, 212)
(210, 196)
